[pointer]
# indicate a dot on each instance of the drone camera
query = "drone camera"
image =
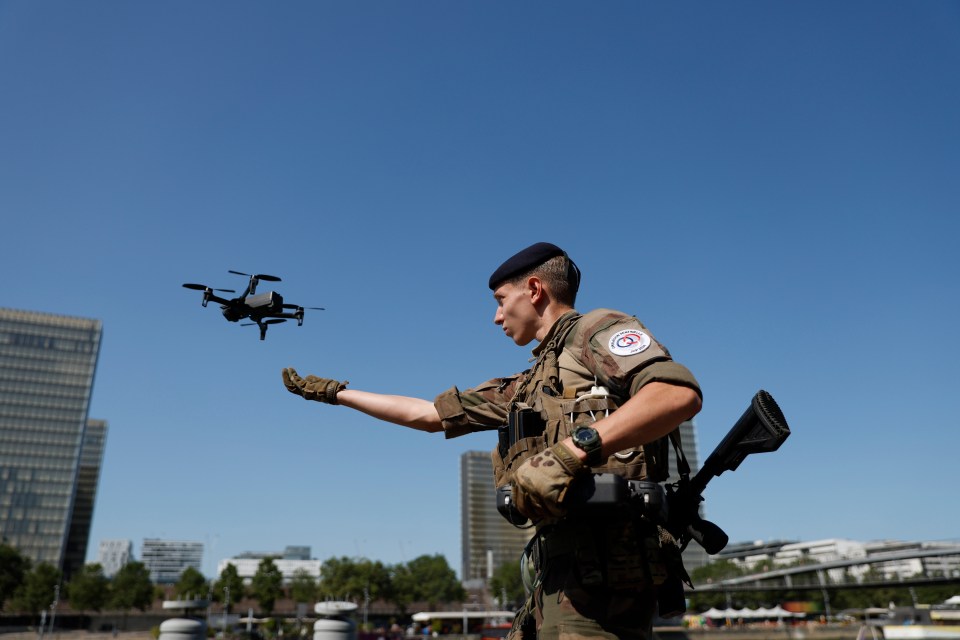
(268, 300)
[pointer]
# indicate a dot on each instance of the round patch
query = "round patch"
(628, 342)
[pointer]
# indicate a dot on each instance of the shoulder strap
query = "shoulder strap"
(683, 467)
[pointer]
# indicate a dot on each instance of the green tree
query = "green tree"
(267, 585)
(229, 584)
(89, 589)
(344, 578)
(131, 588)
(508, 581)
(191, 584)
(38, 589)
(13, 569)
(708, 574)
(303, 587)
(426, 578)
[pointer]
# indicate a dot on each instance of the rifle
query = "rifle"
(761, 428)
(676, 506)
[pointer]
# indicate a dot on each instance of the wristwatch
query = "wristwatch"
(587, 439)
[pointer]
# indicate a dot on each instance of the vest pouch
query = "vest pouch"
(505, 465)
(630, 464)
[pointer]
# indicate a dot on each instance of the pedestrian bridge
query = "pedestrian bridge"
(909, 568)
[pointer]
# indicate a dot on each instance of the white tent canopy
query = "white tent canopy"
(750, 614)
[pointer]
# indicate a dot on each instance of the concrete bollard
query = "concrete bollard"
(183, 628)
(335, 622)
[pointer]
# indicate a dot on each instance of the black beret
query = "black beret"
(524, 261)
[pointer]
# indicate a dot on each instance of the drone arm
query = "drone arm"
(207, 297)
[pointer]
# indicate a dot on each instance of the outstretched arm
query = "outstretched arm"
(414, 413)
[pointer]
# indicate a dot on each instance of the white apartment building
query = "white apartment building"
(167, 559)
(113, 554)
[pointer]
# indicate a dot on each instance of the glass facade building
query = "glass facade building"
(88, 479)
(47, 366)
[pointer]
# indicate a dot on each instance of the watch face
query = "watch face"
(584, 435)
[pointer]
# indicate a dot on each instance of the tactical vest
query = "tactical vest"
(558, 388)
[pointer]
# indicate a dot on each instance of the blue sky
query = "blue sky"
(770, 187)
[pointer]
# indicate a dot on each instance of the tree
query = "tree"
(131, 588)
(508, 581)
(229, 584)
(267, 585)
(191, 584)
(426, 578)
(707, 574)
(344, 578)
(89, 589)
(38, 589)
(303, 587)
(13, 569)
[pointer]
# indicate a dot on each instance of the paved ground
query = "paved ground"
(79, 635)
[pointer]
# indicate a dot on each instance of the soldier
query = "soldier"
(601, 397)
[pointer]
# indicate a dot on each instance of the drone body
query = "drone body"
(263, 309)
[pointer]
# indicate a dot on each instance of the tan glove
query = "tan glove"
(313, 388)
(540, 484)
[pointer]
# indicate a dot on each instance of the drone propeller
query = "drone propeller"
(258, 276)
(296, 306)
(263, 322)
(203, 287)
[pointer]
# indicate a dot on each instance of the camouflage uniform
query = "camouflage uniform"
(596, 578)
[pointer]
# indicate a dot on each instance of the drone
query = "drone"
(263, 308)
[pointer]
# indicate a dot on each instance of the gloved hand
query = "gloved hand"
(540, 484)
(313, 388)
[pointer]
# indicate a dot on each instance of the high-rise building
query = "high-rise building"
(47, 366)
(113, 554)
(88, 479)
(487, 539)
(167, 559)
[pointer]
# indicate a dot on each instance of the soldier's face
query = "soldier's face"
(516, 313)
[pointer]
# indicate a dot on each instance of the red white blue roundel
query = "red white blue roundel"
(628, 342)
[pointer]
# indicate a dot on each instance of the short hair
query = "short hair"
(555, 273)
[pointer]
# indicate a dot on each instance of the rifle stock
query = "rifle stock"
(762, 428)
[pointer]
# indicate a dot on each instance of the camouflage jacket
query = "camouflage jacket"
(586, 367)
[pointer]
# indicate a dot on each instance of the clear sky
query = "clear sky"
(773, 188)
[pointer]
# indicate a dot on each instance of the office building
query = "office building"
(487, 539)
(88, 479)
(167, 559)
(113, 554)
(47, 366)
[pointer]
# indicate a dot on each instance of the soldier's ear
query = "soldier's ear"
(535, 289)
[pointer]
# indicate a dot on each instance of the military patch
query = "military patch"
(628, 342)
